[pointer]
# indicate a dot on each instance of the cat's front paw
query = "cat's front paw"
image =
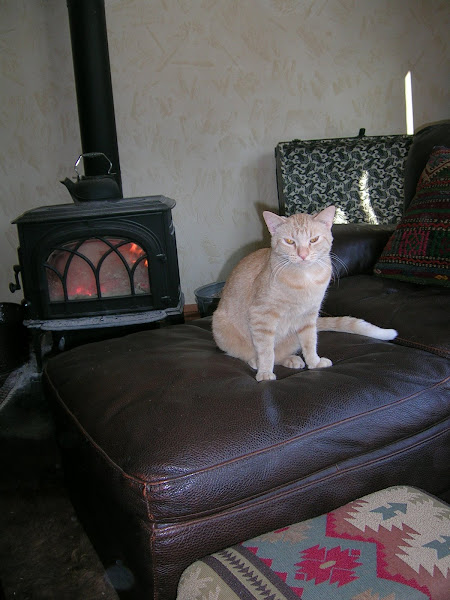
(293, 362)
(323, 363)
(265, 376)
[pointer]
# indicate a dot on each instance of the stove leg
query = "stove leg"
(41, 346)
(36, 339)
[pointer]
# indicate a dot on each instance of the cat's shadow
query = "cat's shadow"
(247, 249)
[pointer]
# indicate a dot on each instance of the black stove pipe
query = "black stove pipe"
(92, 71)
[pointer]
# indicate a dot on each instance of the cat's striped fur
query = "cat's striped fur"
(269, 306)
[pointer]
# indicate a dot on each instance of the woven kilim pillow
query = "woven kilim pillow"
(419, 249)
(389, 545)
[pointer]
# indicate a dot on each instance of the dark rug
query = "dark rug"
(44, 551)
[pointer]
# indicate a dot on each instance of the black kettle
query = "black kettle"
(93, 187)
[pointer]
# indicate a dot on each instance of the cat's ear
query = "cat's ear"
(273, 221)
(326, 216)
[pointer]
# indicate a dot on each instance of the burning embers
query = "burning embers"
(98, 267)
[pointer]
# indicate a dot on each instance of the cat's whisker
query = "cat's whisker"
(279, 268)
(321, 262)
(283, 263)
(335, 258)
(337, 263)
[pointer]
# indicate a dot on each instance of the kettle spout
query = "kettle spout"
(70, 185)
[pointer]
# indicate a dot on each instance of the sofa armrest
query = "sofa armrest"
(357, 246)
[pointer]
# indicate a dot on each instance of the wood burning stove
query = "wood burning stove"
(99, 264)
(105, 261)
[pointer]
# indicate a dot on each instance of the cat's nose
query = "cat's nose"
(303, 253)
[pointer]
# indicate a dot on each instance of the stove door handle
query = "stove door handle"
(13, 287)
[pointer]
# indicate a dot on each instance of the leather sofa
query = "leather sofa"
(172, 450)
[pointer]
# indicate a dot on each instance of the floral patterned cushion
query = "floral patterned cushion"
(389, 545)
(419, 249)
(362, 176)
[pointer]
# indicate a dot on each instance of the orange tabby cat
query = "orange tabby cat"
(270, 303)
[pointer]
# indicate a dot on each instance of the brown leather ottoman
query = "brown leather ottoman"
(172, 450)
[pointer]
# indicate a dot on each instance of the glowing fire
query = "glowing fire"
(135, 252)
(116, 264)
(80, 291)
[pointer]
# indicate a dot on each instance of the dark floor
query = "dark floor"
(44, 552)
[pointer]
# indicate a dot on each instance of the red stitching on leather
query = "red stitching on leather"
(433, 349)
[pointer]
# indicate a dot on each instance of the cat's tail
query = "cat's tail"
(353, 325)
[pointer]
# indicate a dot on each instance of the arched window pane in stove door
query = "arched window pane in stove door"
(97, 267)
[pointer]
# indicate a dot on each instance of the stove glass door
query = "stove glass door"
(97, 267)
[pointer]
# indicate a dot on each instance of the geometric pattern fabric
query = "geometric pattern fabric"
(419, 249)
(390, 545)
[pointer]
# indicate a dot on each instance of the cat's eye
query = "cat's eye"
(314, 239)
(289, 241)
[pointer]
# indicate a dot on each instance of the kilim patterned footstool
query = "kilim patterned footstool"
(390, 545)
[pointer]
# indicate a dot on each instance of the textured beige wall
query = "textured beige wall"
(203, 90)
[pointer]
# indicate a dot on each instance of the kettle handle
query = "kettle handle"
(92, 155)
